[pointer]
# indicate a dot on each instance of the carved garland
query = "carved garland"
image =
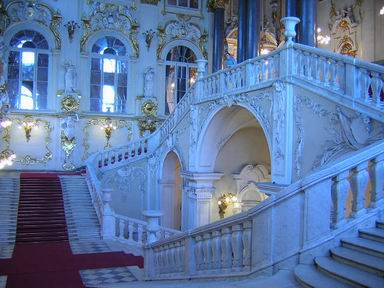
(21, 11)
(113, 17)
(181, 29)
(28, 159)
(98, 122)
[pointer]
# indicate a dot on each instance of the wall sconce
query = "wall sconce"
(71, 28)
(223, 202)
(28, 124)
(108, 128)
(5, 122)
(6, 158)
(148, 37)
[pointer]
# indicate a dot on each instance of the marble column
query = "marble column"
(253, 28)
(291, 8)
(242, 30)
(308, 15)
(218, 37)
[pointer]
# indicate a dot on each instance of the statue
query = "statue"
(149, 75)
(68, 139)
(70, 78)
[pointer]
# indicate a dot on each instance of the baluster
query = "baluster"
(199, 252)
(264, 70)
(176, 256)
(377, 85)
(226, 249)
(340, 189)
(237, 247)
(365, 81)
(121, 229)
(162, 263)
(130, 230)
(247, 238)
(216, 250)
(325, 71)
(157, 260)
(359, 184)
(308, 66)
(140, 233)
(171, 258)
(181, 255)
(332, 73)
(317, 68)
(377, 180)
(207, 248)
(257, 72)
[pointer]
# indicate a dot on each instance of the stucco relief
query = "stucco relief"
(279, 125)
(21, 11)
(129, 180)
(108, 16)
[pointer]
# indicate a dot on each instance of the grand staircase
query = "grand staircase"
(41, 215)
(357, 262)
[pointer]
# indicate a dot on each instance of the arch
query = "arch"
(12, 30)
(180, 42)
(206, 159)
(171, 191)
(94, 37)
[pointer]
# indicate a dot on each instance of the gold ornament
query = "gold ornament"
(70, 104)
(149, 108)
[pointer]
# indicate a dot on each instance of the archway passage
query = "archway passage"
(233, 140)
(171, 192)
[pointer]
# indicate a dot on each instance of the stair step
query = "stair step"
(348, 274)
(375, 234)
(359, 260)
(380, 223)
(371, 247)
(309, 276)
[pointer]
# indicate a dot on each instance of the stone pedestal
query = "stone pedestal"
(153, 226)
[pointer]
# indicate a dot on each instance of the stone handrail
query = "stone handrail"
(365, 89)
(305, 214)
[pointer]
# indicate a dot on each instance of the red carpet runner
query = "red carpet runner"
(42, 256)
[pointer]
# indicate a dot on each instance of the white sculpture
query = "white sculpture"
(69, 126)
(70, 78)
(149, 75)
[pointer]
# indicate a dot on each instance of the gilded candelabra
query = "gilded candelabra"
(223, 202)
(108, 128)
(28, 124)
(7, 157)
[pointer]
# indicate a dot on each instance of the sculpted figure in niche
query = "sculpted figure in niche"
(149, 75)
(70, 78)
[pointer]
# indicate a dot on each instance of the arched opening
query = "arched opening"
(171, 192)
(233, 141)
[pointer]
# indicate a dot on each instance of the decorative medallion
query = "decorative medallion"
(149, 108)
(70, 104)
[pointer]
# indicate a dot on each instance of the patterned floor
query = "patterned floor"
(85, 247)
(99, 277)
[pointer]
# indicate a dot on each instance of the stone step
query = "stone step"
(375, 234)
(348, 274)
(380, 223)
(309, 276)
(359, 260)
(364, 245)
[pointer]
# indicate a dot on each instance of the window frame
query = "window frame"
(117, 58)
(37, 52)
(175, 9)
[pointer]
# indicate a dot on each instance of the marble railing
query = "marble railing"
(359, 83)
(135, 231)
(303, 215)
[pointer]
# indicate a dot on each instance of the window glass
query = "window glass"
(28, 70)
(108, 91)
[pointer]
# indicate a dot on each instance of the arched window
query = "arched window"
(28, 64)
(180, 74)
(109, 72)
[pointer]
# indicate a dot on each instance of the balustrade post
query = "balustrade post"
(237, 247)
(247, 240)
(201, 73)
(153, 218)
(189, 256)
(340, 190)
(198, 252)
(216, 250)
(108, 224)
(150, 263)
(139, 233)
(226, 249)
(130, 230)
(377, 180)
(121, 229)
(207, 251)
(359, 184)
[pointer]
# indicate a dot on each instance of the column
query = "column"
(242, 30)
(308, 15)
(291, 8)
(218, 35)
(253, 28)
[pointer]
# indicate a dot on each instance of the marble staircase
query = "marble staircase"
(9, 195)
(357, 262)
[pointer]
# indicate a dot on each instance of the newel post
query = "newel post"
(287, 55)
(108, 224)
(201, 73)
(153, 226)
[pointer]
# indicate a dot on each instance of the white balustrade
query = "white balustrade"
(226, 247)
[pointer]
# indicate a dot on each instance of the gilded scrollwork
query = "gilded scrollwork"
(31, 10)
(29, 159)
(120, 124)
(109, 16)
